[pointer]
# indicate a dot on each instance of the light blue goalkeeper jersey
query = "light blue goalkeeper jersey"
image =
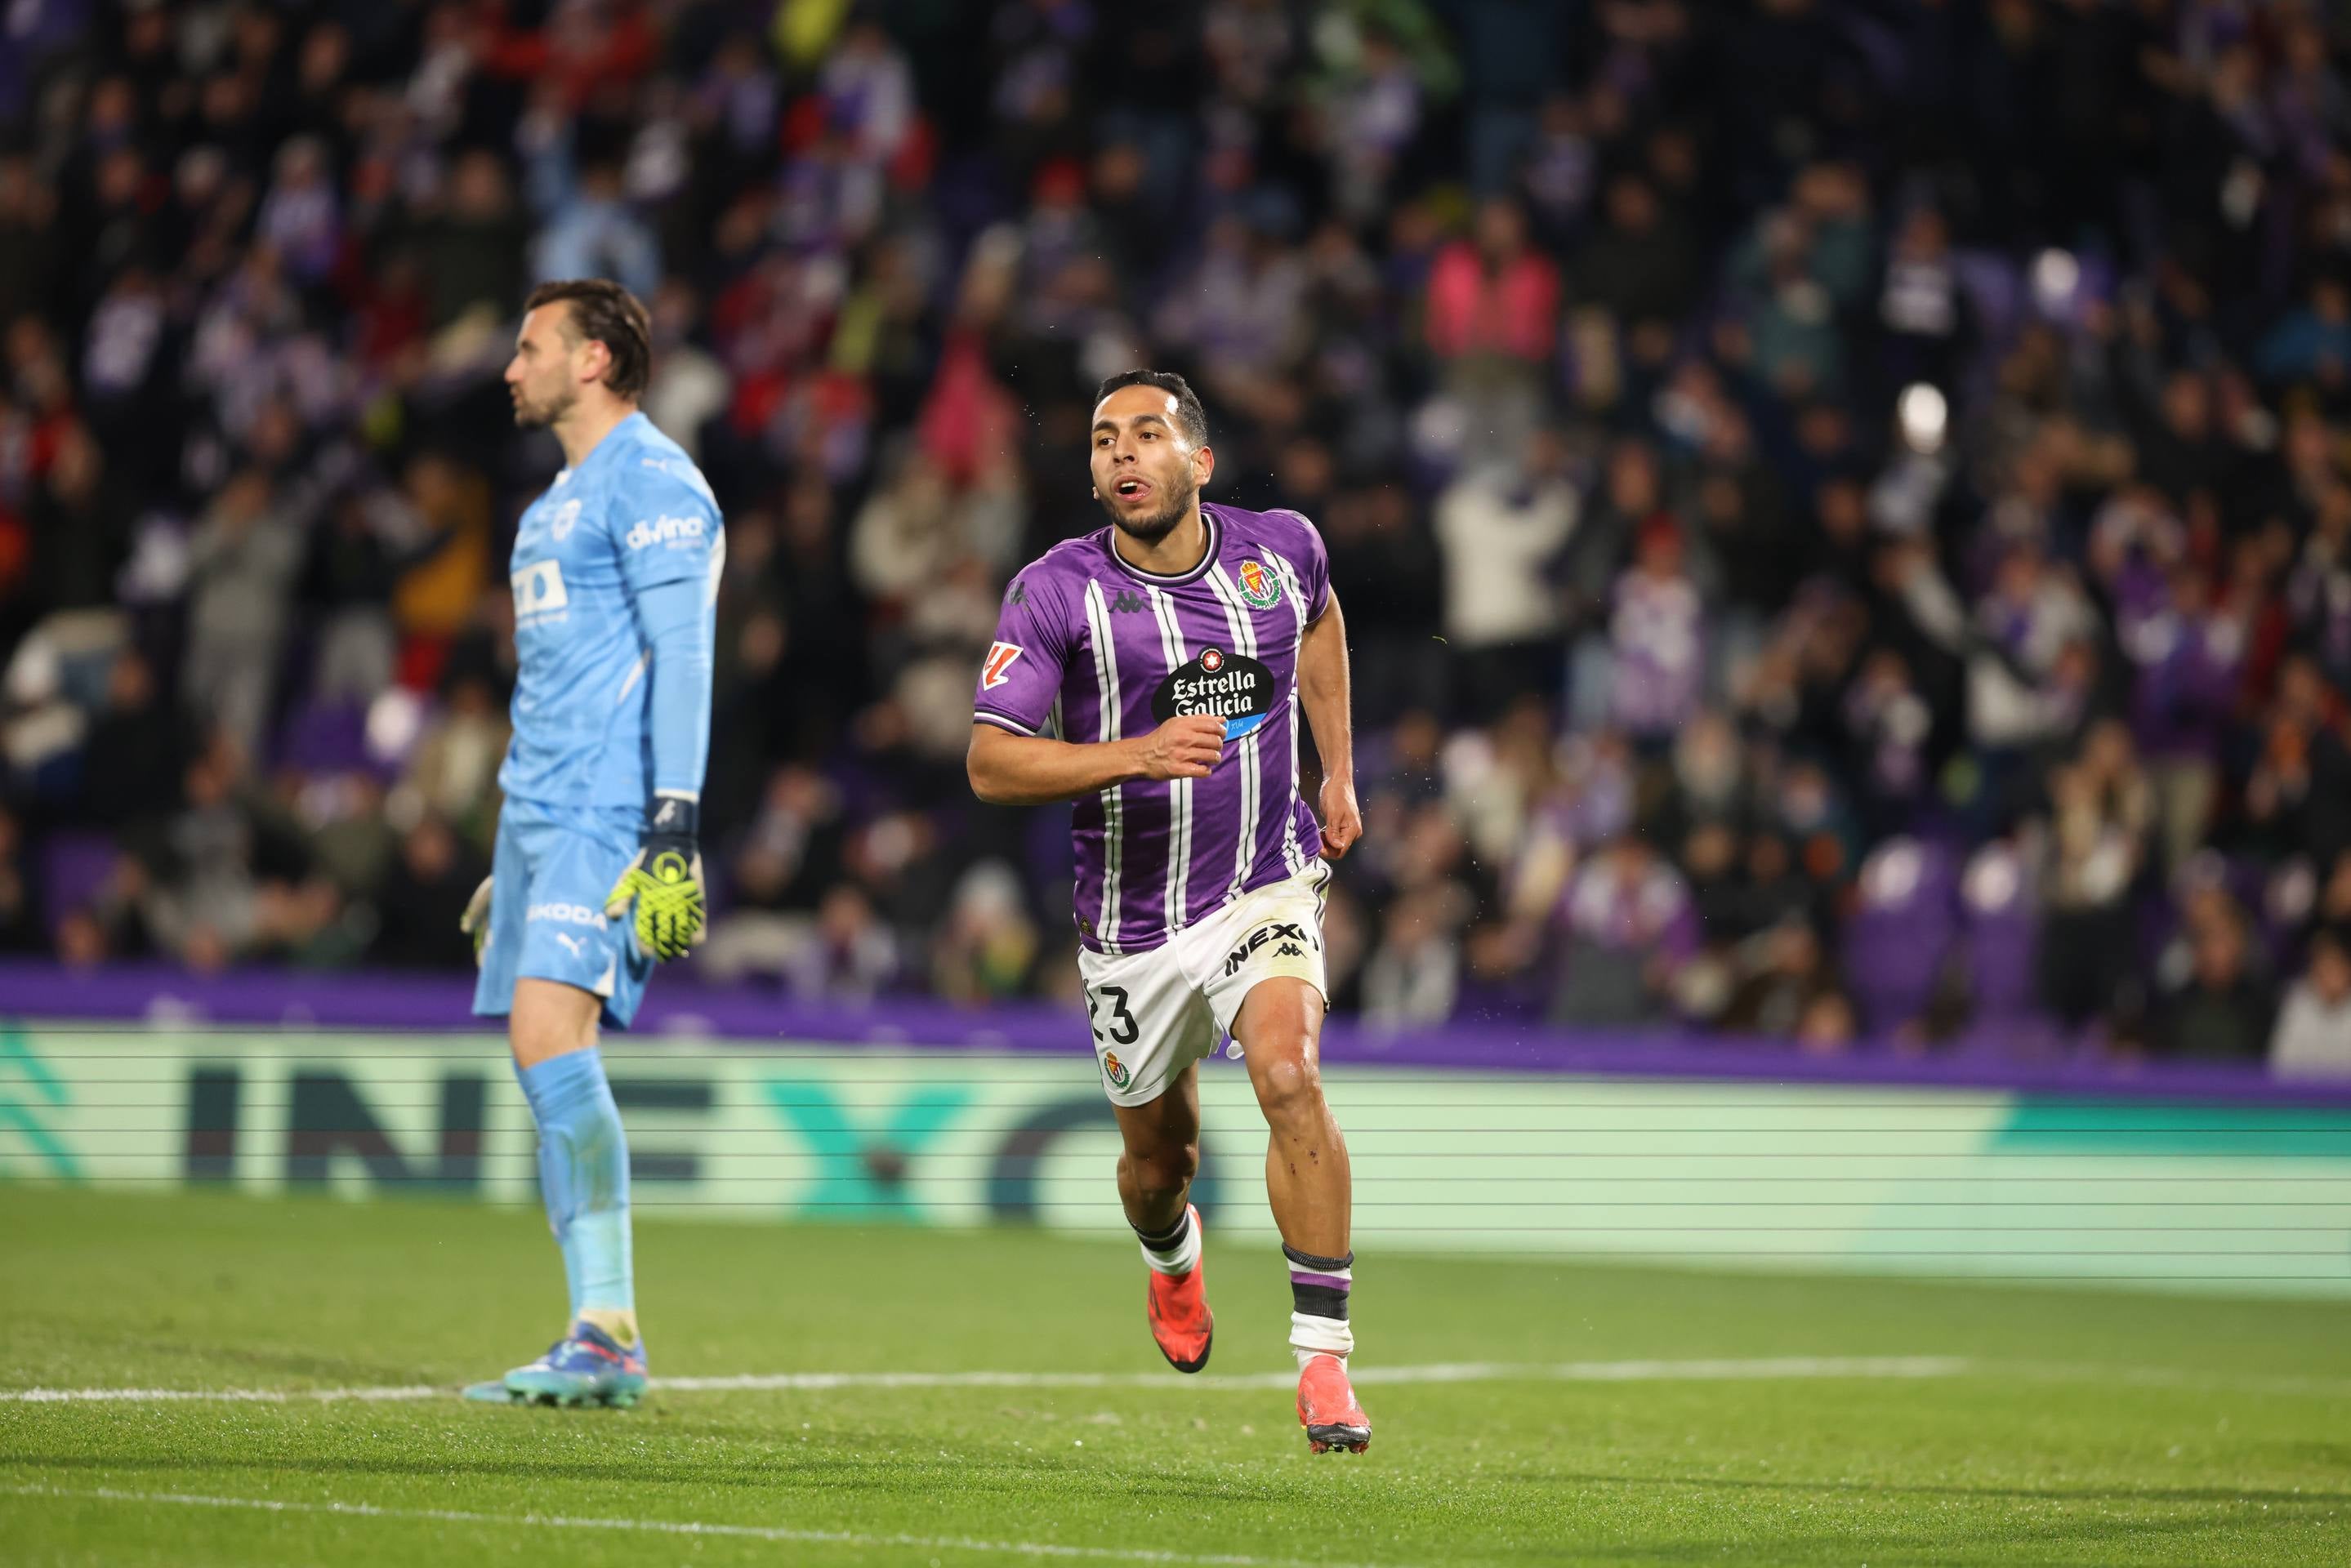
(590, 563)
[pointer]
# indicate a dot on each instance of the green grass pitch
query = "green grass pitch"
(1700, 1424)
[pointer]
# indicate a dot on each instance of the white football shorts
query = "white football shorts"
(1157, 1012)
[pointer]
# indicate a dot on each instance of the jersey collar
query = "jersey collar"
(1175, 580)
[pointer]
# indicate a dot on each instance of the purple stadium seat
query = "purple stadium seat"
(75, 867)
(1901, 933)
(325, 738)
(2001, 918)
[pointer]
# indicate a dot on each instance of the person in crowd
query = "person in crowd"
(2313, 1037)
(1816, 482)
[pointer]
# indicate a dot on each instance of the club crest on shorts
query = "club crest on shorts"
(1258, 587)
(1114, 1070)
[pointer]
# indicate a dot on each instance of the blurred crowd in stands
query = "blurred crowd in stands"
(1843, 505)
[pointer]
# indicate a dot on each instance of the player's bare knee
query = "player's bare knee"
(549, 1021)
(537, 1039)
(1289, 1089)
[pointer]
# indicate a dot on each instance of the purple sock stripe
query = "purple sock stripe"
(1333, 1281)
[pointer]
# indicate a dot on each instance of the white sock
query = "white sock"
(1179, 1256)
(1311, 1336)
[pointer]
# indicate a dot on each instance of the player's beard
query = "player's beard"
(1159, 525)
(531, 416)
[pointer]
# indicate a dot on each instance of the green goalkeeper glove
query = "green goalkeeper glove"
(664, 882)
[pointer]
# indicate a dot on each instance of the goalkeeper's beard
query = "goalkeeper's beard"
(531, 416)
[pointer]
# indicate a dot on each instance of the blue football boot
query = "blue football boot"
(586, 1367)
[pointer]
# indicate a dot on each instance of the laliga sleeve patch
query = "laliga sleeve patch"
(997, 668)
(1233, 687)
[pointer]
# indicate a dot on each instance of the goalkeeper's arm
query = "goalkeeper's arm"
(663, 884)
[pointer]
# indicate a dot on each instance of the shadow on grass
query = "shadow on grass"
(2152, 1540)
(887, 1473)
(1988, 1494)
(324, 1371)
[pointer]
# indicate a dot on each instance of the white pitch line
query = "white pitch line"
(662, 1527)
(214, 1396)
(1646, 1371)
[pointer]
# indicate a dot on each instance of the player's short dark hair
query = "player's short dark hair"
(1189, 415)
(604, 312)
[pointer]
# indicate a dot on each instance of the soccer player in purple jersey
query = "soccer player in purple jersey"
(1152, 672)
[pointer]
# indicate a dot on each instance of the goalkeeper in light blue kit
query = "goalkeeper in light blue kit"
(596, 878)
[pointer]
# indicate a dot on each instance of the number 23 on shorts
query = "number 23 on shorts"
(1123, 1029)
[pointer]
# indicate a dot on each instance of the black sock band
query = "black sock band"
(1167, 1240)
(1318, 1301)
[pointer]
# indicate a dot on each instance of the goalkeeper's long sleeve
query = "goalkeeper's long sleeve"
(680, 622)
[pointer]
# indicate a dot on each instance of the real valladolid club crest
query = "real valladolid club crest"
(1258, 587)
(1113, 1069)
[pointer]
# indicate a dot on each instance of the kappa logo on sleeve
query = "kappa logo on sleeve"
(997, 669)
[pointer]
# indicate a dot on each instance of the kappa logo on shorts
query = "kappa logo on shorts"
(1272, 930)
(1114, 1070)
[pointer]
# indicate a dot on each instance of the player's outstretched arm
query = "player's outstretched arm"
(1324, 689)
(1007, 769)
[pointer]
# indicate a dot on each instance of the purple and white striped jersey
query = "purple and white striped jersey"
(1090, 649)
